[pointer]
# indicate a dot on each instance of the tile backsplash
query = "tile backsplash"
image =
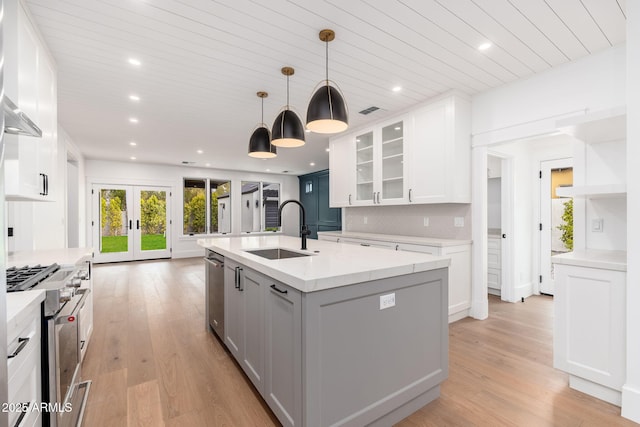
(409, 220)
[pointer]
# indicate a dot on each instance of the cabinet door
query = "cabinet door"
(392, 187)
(342, 153)
(428, 155)
(233, 310)
(365, 169)
(252, 361)
(283, 372)
(327, 216)
(48, 122)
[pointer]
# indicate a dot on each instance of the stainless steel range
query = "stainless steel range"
(61, 374)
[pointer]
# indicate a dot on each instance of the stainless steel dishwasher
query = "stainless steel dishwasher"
(214, 292)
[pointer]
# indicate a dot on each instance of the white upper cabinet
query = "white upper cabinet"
(30, 81)
(422, 156)
(342, 174)
(440, 153)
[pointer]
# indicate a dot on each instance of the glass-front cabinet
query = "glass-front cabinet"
(380, 167)
(393, 161)
(364, 167)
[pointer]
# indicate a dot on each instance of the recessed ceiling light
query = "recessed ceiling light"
(199, 151)
(133, 144)
(397, 88)
(133, 158)
(134, 98)
(207, 164)
(312, 164)
(327, 149)
(484, 46)
(268, 170)
(133, 120)
(135, 62)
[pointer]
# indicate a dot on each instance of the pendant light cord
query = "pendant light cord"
(287, 92)
(262, 114)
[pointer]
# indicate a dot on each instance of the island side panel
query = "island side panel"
(362, 364)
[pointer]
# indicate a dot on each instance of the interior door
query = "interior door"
(554, 221)
(130, 222)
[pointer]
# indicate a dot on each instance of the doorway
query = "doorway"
(556, 218)
(130, 222)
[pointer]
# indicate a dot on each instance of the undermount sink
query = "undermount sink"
(277, 253)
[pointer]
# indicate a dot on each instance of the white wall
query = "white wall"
(530, 107)
(130, 173)
(494, 206)
(76, 190)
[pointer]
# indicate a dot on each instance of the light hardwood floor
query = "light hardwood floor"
(153, 364)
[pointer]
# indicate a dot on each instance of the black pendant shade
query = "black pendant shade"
(260, 142)
(287, 130)
(327, 111)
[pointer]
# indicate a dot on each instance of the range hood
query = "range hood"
(16, 122)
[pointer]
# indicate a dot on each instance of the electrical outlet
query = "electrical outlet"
(458, 221)
(365, 219)
(597, 225)
(387, 301)
(426, 221)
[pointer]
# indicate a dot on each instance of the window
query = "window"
(260, 203)
(206, 206)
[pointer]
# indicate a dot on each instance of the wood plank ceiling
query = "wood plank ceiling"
(202, 61)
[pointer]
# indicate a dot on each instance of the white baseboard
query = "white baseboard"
(189, 254)
(523, 291)
(631, 403)
(596, 390)
(459, 311)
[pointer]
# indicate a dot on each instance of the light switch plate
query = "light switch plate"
(365, 219)
(426, 221)
(597, 225)
(387, 301)
(458, 221)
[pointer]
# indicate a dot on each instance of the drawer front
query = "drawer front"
(493, 243)
(493, 278)
(494, 259)
(25, 342)
(24, 385)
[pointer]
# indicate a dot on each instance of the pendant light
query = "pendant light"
(287, 130)
(260, 142)
(327, 111)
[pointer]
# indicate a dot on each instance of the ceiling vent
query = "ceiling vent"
(185, 162)
(369, 110)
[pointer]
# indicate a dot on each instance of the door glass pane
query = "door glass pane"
(220, 209)
(250, 206)
(561, 212)
(392, 161)
(153, 220)
(271, 204)
(114, 221)
(194, 220)
(364, 166)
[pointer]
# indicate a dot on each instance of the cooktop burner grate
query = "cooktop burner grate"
(23, 278)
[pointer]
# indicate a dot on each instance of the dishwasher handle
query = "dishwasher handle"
(216, 263)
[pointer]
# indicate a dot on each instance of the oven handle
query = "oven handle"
(74, 314)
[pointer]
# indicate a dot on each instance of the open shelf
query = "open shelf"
(594, 191)
(597, 126)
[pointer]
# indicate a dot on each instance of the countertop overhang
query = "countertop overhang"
(594, 258)
(329, 265)
(412, 240)
(63, 257)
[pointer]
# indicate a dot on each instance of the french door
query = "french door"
(130, 222)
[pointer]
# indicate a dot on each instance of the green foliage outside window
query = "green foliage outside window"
(567, 226)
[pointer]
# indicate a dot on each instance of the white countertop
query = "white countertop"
(427, 241)
(334, 265)
(63, 257)
(17, 301)
(594, 258)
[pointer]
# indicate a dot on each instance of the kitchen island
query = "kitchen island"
(345, 335)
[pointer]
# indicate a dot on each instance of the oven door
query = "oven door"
(69, 398)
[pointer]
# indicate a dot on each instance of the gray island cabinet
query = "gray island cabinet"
(346, 336)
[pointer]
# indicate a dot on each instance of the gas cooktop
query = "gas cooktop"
(23, 278)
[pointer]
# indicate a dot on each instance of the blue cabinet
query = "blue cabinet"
(314, 195)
